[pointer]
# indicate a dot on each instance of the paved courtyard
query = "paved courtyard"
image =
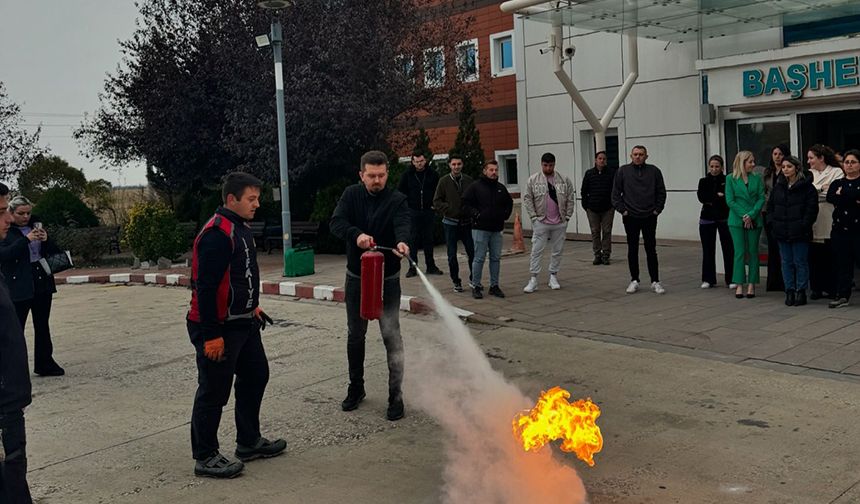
(760, 332)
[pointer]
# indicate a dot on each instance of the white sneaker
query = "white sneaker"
(553, 283)
(657, 288)
(633, 287)
(531, 286)
(733, 286)
(706, 285)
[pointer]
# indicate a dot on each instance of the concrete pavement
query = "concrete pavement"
(677, 428)
(760, 332)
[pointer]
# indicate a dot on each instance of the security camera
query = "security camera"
(569, 51)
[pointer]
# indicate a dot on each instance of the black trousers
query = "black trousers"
(389, 326)
(13, 467)
(774, 263)
(647, 226)
(822, 274)
(453, 234)
(846, 248)
(246, 359)
(423, 223)
(43, 348)
(708, 234)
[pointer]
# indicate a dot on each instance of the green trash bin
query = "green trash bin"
(298, 262)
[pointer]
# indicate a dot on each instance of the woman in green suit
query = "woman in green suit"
(745, 198)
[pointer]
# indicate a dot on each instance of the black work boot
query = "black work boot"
(395, 409)
(354, 395)
(263, 448)
(800, 300)
(789, 297)
(606, 260)
(411, 272)
(218, 466)
(598, 260)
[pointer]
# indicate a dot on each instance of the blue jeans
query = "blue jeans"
(453, 234)
(795, 265)
(486, 241)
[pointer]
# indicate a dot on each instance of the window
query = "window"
(502, 53)
(507, 167)
(467, 60)
(434, 67)
(796, 29)
(405, 65)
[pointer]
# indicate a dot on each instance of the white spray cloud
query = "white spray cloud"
(449, 377)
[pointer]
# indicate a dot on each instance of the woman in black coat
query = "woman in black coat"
(713, 220)
(30, 286)
(791, 211)
(771, 174)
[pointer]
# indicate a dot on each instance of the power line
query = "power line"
(50, 114)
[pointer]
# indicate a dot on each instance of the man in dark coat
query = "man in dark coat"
(15, 392)
(370, 214)
(419, 183)
(489, 204)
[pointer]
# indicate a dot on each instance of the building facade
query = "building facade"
(486, 56)
(798, 85)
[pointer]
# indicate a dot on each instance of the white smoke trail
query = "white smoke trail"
(450, 378)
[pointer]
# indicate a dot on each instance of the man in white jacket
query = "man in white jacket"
(549, 203)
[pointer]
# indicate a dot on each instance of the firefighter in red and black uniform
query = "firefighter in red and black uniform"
(224, 325)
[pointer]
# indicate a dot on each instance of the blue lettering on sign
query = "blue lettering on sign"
(797, 78)
(775, 82)
(753, 85)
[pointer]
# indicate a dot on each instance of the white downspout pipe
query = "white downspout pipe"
(556, 42)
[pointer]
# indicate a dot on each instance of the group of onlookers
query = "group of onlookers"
(810, 217)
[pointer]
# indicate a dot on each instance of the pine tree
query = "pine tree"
(468, 142)
(422, 144)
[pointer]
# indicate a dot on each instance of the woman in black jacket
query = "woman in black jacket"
(844, 194)
(713, 220)
(31, 287)
(791, 211)
(771, 175)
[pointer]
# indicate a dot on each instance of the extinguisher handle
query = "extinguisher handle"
(372, 244)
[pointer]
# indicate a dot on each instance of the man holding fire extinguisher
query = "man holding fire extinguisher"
(370, 214)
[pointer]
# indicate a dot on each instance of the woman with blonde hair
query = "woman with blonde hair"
(745, 198)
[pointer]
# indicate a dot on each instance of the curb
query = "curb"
(301, 290)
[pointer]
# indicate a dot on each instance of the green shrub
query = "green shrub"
(60, 207)
(324, 205)
(87, 244)
(153, 231)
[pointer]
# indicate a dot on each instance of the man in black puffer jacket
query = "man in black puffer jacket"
(791, 211)
(489, 204)
(15, 388)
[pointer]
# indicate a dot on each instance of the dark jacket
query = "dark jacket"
(449, 195)
(791, 211)
(846, 205)
(419, 187)
(225, 277)
(489, 204)
(714, 207)
(384, 216)
(597, 189)
(639, 190)
(15, 389)
(23, 278)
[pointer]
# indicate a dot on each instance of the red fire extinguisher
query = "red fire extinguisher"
(372, 273)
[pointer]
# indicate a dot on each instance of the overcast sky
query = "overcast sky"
(54, 55)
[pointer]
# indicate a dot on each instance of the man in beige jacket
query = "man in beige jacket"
(549, 203)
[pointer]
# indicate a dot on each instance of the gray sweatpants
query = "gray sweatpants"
(541, 234)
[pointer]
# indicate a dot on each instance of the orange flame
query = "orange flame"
(553, 417)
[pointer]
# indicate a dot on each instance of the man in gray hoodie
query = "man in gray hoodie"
(639, 195)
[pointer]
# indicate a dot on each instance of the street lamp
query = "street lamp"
(276, 39)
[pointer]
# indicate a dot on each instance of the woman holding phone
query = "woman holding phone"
(31, 287)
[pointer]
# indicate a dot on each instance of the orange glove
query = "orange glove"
(260, 315)
(214, 349)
